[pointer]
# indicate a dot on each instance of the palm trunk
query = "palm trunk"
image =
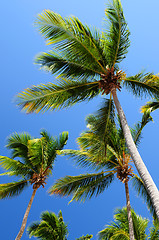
(130, 221)
(140, 166)
(26, 216)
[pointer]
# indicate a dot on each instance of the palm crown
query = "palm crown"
(36, 161)
(87, 62)
(103, 149)
(118, 229)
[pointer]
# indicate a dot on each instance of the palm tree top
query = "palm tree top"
(118, 229)
(87, 62)
(31, 159)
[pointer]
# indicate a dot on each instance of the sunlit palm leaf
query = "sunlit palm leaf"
(12, 189)
(52, 96)
(143, 84)
(82, 186)
(74, 40)
(150, 106)
(117, 35)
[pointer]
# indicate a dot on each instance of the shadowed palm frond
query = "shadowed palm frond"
(137, 129)
(51, 96)
(12, 189)
(116, 39)
(77, 43)
(143, 84)
(87, 237)
(18, 144)
(150, 106)
(82, 186)
(141, 191)
(16, 167)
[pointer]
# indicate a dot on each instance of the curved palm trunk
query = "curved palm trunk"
(130, 221)
(140, 166)
(26, 216)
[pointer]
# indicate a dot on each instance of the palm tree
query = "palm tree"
(87, 64)
(35, 161)
(102, 148)
(119, 229)
(51, 227)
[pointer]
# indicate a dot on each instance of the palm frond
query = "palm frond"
(16, 167)
(82, 186)
(75, 41)
(150, 106)
(52, 96)
(12, 189)
(143, 84)
(116, 39)
(141, 191)
(136, 131)
(18, 144)
(154, 231)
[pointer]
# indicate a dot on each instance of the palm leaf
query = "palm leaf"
(116, 39)
(154, 231)
(74, 40)
(150, 106)
(82, 186)
(137, 129)
(143, 84)
(18, 144)
(51, 96)
(12, 189)
(15, 166)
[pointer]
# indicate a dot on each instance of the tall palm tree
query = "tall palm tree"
(87, 64)
(102, 148)
(35, 161)
(51, 227)
(119, 229)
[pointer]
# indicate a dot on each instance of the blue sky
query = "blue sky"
(20, 42)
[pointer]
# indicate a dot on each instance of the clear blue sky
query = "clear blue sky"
(20, 42)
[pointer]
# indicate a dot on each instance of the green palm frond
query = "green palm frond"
(52, 96)
(12, 189)
(75, 41)
(154, 231)
(87, 237)
(16, 167)
(150, 106)
(137, 129)
(82, 186)
(50, 227)
(143, 84)
(18, 144)
(116, 39)
(141, 191)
